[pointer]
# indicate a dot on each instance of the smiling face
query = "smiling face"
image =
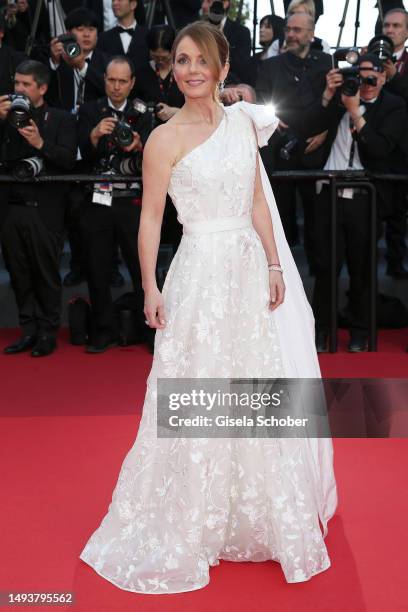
(194, 75)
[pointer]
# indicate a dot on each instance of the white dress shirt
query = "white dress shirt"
(125, 38)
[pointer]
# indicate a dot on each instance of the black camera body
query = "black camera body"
(70, 44)
(381, 46)
(351, 82)
(114, 157)
(20, 112)
(216, 12)
(351, 74)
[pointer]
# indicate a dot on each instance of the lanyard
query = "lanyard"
(164, 94)
(353, 144)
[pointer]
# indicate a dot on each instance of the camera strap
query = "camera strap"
(353, 144)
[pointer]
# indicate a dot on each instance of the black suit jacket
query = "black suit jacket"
(239, 39)
(90, 114)
(378, 141)
(148, 89)
(185, 11)
(294, 86)
(110, 43)
(58, 129)
(97, 7)
(61, 92)
(9, 60)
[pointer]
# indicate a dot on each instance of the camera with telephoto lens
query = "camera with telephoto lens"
(216, 12)
(351, 73)
(27, 169)
(130, 166)
(381, 46)
(122, 135)
(20, 112)
(70, 44)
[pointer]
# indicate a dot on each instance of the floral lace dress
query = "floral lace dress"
(182, 504)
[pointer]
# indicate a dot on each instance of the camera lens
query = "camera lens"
(19, 114)
(123, 134)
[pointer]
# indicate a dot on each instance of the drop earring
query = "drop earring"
(221, 86)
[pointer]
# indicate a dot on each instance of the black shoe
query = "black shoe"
(73, 278)
(322, 341)
(117, 279)
(44, 346)
(100, 346)
(358, 341)
(397, 271)
(24, 344)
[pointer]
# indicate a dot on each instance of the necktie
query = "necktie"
(129, 31)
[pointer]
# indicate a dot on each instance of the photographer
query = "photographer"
(293, 82)
(364, 125)
(77, 65)
(239, 40)
(112, 210)
(396, 69)
(32, 215)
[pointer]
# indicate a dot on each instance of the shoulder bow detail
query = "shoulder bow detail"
(263, 117)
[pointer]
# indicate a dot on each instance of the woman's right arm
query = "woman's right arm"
(158, 157)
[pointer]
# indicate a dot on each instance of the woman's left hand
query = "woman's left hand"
(277, 289)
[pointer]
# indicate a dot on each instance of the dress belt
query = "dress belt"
(219, 224)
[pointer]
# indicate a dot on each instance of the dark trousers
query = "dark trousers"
(396, 226)
(353, 246)
(31, 253)
(102, 227)
(76, 201)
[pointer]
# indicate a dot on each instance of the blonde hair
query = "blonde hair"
(309, 7)
(211, 42)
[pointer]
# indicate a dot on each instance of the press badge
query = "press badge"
(102, 194)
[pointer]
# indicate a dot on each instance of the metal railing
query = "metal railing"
(337, 180)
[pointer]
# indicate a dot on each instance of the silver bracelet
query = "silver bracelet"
(275, 268)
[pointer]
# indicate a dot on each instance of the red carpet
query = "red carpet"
(60, 463)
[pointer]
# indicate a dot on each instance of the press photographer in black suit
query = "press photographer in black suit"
(363, 133)
(396, 70)
(32, 216)
(293, 82)
(79, 79)
(113, 212)
(128, 37)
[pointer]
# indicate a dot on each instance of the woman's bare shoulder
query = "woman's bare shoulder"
(163, 141)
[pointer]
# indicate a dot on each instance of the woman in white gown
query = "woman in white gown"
(182, 504)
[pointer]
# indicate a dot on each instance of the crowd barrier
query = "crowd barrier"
(337, 179)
